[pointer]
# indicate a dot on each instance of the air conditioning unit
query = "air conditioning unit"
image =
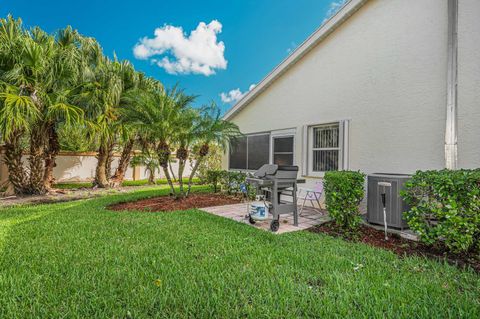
(384, 190)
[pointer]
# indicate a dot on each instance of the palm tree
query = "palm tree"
(41, 67)
(17, 112)
(186, 123)
(154, 114)
(106, 83)
(17, 108)
(60, 108)
(48, 83)
(128, 135)
(212, 129)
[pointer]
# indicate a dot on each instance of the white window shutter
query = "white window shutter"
(345, 147)
(305, 150)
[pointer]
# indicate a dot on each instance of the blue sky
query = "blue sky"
(244, 42)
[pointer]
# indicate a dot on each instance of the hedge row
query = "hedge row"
(444, 205)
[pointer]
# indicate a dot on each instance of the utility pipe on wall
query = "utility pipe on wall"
(451, 131)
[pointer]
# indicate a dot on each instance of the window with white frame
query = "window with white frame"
(325, 148)
(282, 150)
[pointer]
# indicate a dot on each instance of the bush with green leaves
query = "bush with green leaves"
(231, 182)
(213, 178)
(344, 190)
(445, 208)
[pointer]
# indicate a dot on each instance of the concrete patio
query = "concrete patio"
(310, 217)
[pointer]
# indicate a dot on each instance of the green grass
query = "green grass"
(79, 260)
(141, 182)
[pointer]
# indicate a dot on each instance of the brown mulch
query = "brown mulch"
(400, 246)
(167, 204)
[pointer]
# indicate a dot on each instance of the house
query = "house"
(388, 86)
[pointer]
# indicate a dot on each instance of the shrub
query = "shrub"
(344, 190)
(213, 178)
(445, 208)
(231, 182)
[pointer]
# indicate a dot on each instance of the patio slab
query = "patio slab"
(310, 217)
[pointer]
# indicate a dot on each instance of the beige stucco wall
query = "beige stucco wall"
(77, 168)
(82, 168)
(384, 69)
(469, 83)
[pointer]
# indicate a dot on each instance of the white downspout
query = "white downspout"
(451, 131)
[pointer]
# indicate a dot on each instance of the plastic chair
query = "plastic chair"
(311, 194)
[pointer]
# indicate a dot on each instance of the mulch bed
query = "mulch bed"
(400, 246)
(167, 204)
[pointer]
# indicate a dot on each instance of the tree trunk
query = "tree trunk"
(163, 152)
(192, 174)
(151, 175)
(181, 167)
(17, 175)
(51, 151)
(108, 165)
(169, 180)
(117, 178)
(171, 171)
(201, 156)
(101, 169)
(36, 161)
(182, 155)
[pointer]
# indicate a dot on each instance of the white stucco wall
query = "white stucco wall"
(469, 83)
(384, 69)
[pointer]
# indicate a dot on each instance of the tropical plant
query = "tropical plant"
(53, 87)
(156, 114)
(45, 69)
(212, 129)
(76, 138)
(186, 133)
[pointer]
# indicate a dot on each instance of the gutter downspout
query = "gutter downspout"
(451, 131)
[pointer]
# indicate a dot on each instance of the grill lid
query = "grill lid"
(266, 169)
(276, 171)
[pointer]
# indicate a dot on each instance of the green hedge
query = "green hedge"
(445, 208)
(344, 190)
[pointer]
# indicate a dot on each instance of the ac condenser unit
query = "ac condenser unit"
(390, 185)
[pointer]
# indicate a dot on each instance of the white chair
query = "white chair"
(310, 194)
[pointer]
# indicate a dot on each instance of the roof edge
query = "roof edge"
(313, 40)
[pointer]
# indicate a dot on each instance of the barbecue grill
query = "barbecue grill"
(271, 182)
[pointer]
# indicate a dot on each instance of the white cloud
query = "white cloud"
(179, 53)
(235, 95)
(333, 8)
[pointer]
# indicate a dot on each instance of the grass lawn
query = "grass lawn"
(80, 260)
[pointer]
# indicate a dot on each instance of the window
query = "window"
(258, 151)
(325, 151)
(249, 152)
(283, 150)
(238, 153)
